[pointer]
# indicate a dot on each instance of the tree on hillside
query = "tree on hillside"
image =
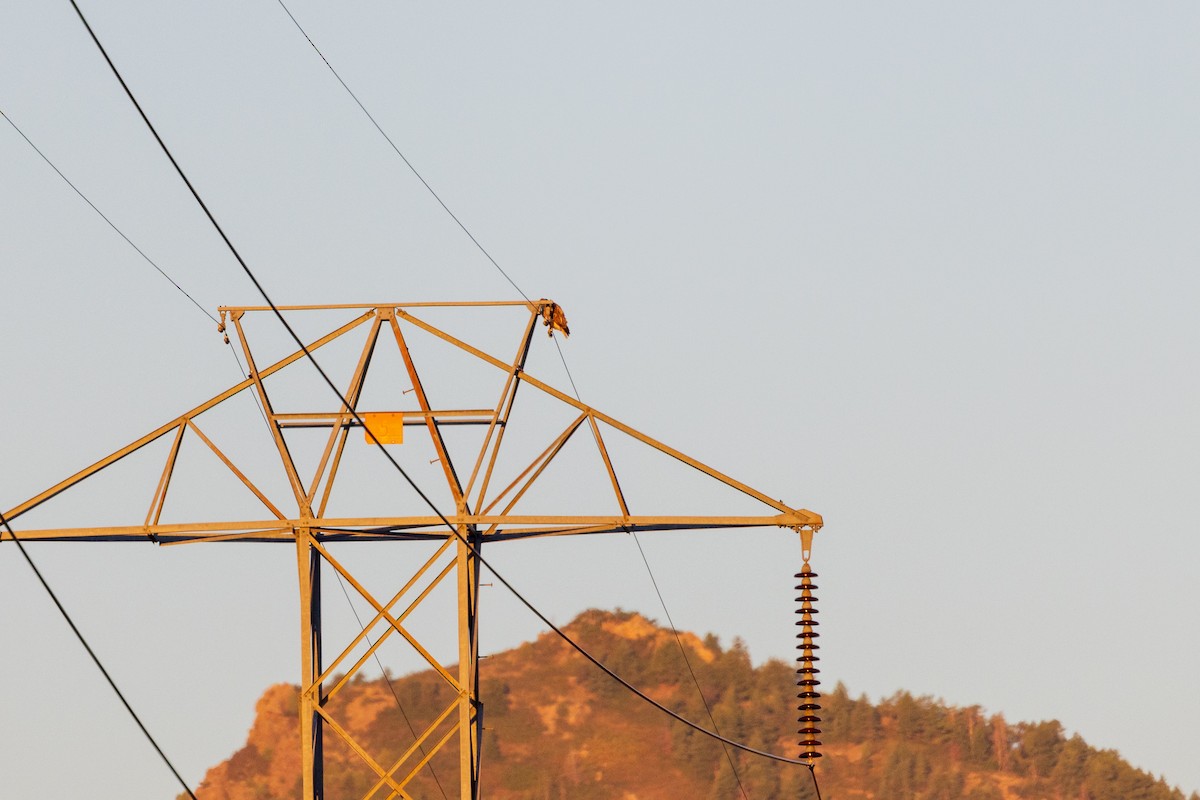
(1040, 746)
(1000, 742)
(1070, 772)
(904, 773)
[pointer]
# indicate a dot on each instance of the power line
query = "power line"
(403, 158)
(354, 414)
(678, 640)
(813, 771)
(237, 359)
(95, 659)
(104, 217)
(688, 662)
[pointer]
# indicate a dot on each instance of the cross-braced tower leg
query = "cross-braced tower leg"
(308, 561)
(470, 717)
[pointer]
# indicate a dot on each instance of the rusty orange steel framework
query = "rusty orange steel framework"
(482, 513)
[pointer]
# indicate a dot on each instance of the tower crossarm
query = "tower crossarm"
(506, 527)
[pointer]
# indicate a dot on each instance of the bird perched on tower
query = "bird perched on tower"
(554, 318)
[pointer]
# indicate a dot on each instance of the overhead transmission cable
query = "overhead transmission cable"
(104, 217)
(354, 414)
(130, 242)
(92, 653)
(403, 158)
(662, 601)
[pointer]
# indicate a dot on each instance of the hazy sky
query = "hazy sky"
(927, 270)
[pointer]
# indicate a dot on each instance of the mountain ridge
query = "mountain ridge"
(555, 728)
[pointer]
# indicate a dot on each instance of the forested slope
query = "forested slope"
(556, 728)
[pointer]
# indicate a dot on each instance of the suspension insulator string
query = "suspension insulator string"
(806, 672)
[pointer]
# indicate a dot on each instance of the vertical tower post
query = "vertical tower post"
(469, 718)
(308, 562)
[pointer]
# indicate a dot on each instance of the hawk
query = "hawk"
(554, 318)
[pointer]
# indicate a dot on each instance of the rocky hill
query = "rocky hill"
(556, 728)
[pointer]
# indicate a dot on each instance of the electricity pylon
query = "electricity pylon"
(481, 514)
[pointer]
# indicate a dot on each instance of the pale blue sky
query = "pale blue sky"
(927, 270)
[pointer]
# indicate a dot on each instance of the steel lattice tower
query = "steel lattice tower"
(483, 513)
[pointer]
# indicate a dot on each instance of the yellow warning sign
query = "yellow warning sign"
(386, 426)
